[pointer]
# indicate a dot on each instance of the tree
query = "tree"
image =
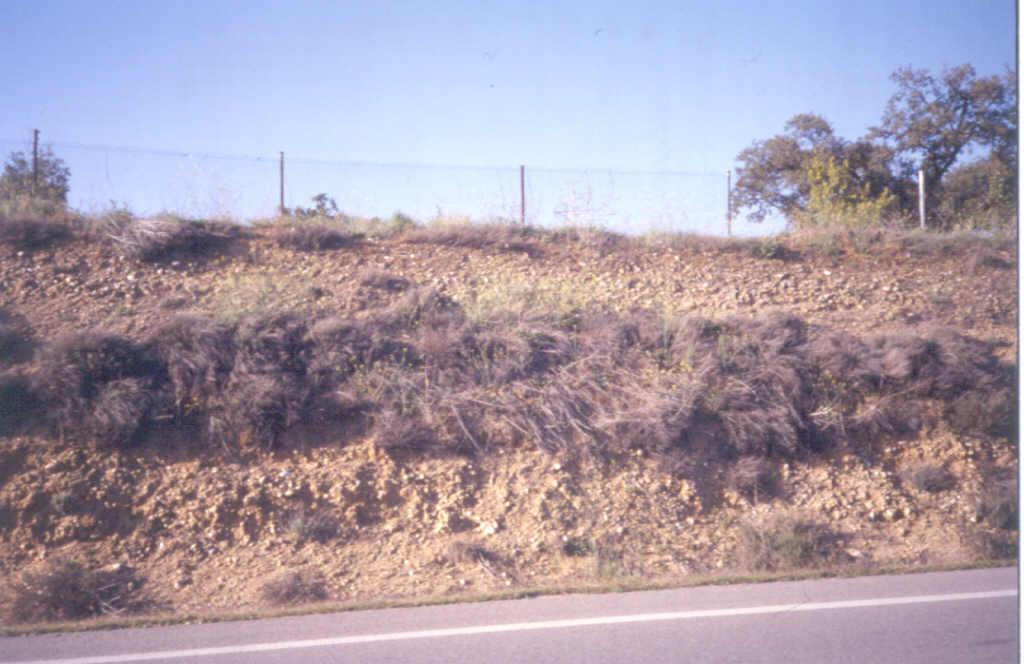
(936, 123)
(932, 122)
(50, 183)
(775, 174)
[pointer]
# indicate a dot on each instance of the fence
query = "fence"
(246, 187)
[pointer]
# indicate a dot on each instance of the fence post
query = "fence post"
(728, 203)
(35, 160)
(522, 194)
(280, 206)
(920, 196)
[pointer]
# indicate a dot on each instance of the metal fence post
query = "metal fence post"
(35, 161)
(281, 172)
(728, 203)
(522, 194)
(920, 196)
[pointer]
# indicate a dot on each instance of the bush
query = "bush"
(166, 238)
(15, 341)
(97, 384)
(493, 236)
(32, 233)
(754, 477)
(376, 278)
(198, 354)
(19, 403)
(295, 587)
(461, 552)
(929, 477)
(313, 526)
(313, 237)
(998, 504)
(782, 542)
(66, 590)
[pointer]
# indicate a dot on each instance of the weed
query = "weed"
(169, 237)
(313, 526)
(929, 477)
(66, 590)
(32, 233)
(753, 477)
(997, 504)
(295, 587)
(782, 542)
(313, 236)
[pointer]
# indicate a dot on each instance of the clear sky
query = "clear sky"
(626, 86)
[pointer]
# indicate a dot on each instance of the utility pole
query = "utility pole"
(522, 194)
(920, 196)
(728, 203)
(280, 206)
(35, 160)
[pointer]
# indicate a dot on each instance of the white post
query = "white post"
(920, 196)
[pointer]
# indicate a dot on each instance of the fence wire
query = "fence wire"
(246, 187)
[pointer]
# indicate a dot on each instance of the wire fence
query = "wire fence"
(247, 187)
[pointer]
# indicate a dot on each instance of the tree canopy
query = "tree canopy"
(937, 123)
(51, 183)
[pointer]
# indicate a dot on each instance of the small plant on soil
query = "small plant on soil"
(929, 477)
(782, 542)
(66, 590)
(295, 587)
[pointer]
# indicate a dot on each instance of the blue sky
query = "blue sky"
(667, 86)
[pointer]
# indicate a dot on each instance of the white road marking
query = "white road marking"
(523, 627)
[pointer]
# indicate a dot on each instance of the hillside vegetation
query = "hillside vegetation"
(201, 416)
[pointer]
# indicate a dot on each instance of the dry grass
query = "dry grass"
(783, 542)
(295, 587)
(431, 378)
(490, 236)
(66, 590)
(929, 477)
(167, 238)
(306, 236)
(33, 233)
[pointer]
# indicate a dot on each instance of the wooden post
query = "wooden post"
(35, 160)
(522, 194)
(280, 206)
(920, 196)
(728, 203)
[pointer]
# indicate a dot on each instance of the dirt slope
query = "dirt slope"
(205, 528)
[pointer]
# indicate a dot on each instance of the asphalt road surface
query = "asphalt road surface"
(968, 616)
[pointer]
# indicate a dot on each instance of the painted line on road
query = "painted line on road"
(524, 627)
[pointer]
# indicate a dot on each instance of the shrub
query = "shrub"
(313, 237)
(997, 504)
(395, 431)
(97, 384)
(295, 587)
(315, 526)
(782, 542)
(493, 236)
(835, 200)
(198, 354)
(32, 233)
(376, 278)
(929, 477)
(752, 476)
(461, 552)
(166, 238)
(66, 590)
(15, 341)
(577, 547)
(19, 403)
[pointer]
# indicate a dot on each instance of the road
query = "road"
(965, 616)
